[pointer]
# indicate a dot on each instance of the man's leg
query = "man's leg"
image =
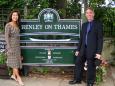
(78, 70)
(91, 72)
(79, 67)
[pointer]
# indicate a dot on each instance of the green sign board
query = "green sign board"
(49, 39)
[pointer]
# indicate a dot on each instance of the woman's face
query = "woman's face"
(14, 16)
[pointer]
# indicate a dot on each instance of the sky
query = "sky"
(112, 3)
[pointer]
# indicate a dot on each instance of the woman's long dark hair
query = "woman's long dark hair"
(10, 17)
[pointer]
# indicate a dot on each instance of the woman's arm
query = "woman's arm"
(7, 36)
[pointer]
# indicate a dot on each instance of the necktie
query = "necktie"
(88, 29)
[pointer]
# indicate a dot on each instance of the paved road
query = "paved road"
(55, 81)
(34, 81)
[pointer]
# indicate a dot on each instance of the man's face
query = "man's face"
(89, 15)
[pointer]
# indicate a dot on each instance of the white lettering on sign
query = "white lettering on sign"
(37, 57)
(48, 26)
(65, 27)
(57, 57)
(42, 52)
(56, 52)
(58, 26)
(31, 26)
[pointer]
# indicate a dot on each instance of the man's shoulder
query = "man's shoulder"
(97, 22)
(85, 23)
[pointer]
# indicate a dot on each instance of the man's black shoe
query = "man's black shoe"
(74, 82)
(89, 84)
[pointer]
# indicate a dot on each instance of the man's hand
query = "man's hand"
(76, 53)
(98, 56)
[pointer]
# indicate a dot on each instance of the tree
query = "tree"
(12, 4)
(105, 14)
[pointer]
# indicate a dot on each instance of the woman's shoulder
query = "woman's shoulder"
(11, 24)
(8, 24)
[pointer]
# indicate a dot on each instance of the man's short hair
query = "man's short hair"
(90, 8)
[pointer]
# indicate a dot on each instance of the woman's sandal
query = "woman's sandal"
(13, 77)
(20, 82)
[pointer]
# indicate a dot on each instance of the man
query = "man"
(89, 48)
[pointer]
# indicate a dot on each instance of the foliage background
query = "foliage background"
(66, 8)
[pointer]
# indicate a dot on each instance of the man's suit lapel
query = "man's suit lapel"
(85, 29)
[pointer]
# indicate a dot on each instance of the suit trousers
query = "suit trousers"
(79, 67)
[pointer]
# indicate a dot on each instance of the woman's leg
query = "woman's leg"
(16, 73)
(13, 76)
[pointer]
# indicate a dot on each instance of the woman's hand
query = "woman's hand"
(22, 58)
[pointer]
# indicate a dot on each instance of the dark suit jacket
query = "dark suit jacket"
(94, 39)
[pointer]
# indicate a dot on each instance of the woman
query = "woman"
(13, 45)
